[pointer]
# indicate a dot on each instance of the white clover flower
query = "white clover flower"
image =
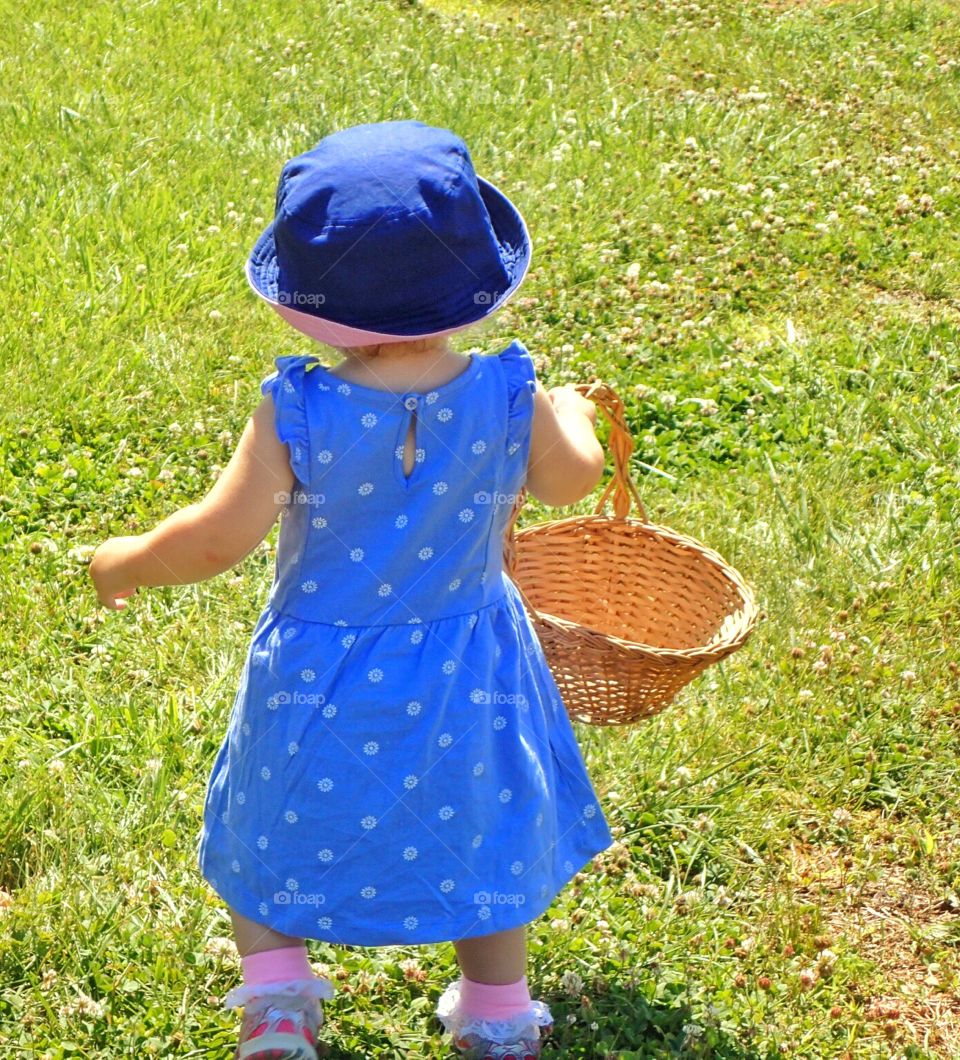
(572, 983)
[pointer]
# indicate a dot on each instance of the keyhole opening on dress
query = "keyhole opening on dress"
(410, 446)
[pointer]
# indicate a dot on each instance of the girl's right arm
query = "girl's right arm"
(566, 458)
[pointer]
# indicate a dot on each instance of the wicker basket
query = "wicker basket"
(627, 612)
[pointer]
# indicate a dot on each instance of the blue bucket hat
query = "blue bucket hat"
(384, 232)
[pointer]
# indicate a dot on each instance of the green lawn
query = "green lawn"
(744, 218)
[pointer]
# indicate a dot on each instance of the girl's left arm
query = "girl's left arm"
(207, 538)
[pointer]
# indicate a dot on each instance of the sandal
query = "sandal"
(280, 1020)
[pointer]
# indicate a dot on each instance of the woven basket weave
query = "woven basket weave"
(627, 612)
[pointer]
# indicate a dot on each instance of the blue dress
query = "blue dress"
(398, 766)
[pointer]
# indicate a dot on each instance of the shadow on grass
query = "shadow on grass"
(630, 1027)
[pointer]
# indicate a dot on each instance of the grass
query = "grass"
(743, 218)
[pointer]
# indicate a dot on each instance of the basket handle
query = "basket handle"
(620, 485)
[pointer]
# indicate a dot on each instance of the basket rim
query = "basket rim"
(749, 609)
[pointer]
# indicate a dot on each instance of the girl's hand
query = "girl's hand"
(567, 396)
(108, 570)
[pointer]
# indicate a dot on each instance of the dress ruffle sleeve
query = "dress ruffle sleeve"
(286, 387)
(521, 387)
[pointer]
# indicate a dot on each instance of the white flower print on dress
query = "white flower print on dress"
(512, 448)
(419, 455)
(385, 589)
(368, 419)
(483, 913)
(344, 388)
(432, 397)
(265, 772)
(590, 809)
(375, 675)
(273, 703)
(241, 797)
(264, 908)
(309, 586)
(410, 923)
(365, 489)
(324, 456)
(459, 661)
(293, 885)
(263, 842)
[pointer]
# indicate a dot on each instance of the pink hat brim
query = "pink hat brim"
(331, 333)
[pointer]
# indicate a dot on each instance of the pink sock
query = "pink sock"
(287, 962)
(494, 1000)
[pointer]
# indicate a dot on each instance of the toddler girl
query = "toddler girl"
(398, 766)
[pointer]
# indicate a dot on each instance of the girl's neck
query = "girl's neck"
(400, 366)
